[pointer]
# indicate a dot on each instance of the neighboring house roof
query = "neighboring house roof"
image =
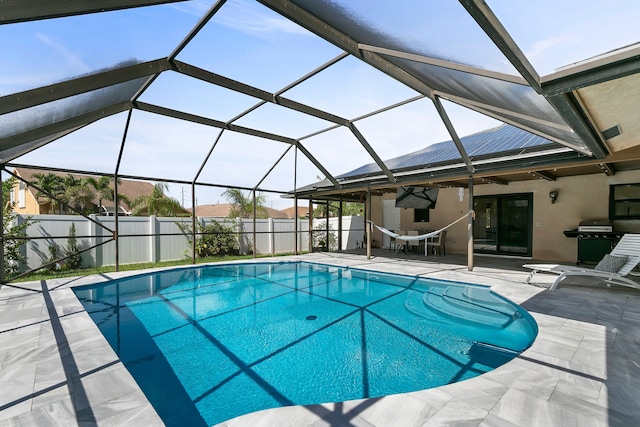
(128, 188)
(302, 212)
(491, 141)
(224, 209)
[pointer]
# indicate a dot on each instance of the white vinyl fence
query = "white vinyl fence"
(154, 239)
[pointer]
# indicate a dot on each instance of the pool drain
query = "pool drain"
(312, 317)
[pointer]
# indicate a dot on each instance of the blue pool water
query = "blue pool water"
(207, 344)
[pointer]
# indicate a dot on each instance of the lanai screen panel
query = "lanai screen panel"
(411, 127)
(500, 97)
(554, 34)
(21, 121)
(337, 150)
(443, 30)
(501, 139)
(250, 43)
(95, 147)
(47, 51)
(438, 28)
(163, 147)
(184, 93)
(243, 160)
(282, 121)
(350, 89)
(17, 151)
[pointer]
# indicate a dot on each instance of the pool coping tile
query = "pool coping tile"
(580, 370)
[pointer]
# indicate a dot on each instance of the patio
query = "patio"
(583, 368)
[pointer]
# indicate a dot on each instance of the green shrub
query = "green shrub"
(212, 239)
(319, 237)
(74, 260)
(14, 240)
(53, 255)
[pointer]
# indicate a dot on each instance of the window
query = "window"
(421, 215)
(22, 203)
(624, 201)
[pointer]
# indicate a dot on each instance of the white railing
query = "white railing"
(154, 239)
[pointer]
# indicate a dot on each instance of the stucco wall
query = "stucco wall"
(580, 198)
(31, 206)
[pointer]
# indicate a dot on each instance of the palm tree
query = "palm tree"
(50, 188)
(348, 209)
(156, 203)
(104, 191)
(102, 188)
(77, 195)
(242, 206)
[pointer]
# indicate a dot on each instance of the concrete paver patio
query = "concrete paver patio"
(583, 369)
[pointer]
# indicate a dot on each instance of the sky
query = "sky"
(247, 42)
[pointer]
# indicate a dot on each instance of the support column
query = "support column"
(116, 218)
(326, 235)
(367, 224)
(295, 226)
(193, 223)
(310, 225)
(340, 226)
(470, 227)
(255, 246)
(116, 199)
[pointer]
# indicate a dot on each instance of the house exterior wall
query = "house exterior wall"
(31, 206)
(581, 198)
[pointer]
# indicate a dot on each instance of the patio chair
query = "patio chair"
(401, 244)
(414, 245)
(612, 268)
(437, 243)
(392, 242)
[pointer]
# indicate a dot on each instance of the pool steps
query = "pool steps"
(462, 303)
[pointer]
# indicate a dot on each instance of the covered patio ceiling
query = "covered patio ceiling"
(304, 108)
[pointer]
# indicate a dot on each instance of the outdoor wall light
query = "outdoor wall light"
(554, 196)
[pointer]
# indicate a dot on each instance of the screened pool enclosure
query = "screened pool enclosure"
(305, 101)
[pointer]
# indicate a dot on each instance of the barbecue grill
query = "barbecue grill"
(596, 238)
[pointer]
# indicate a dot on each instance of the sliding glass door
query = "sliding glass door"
(503, 224)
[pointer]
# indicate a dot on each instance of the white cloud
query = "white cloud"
(195, 8)
(254, 19)
(72, 59)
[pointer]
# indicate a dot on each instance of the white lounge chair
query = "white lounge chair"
(612, 268)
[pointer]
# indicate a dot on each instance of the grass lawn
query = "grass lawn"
(43, 275)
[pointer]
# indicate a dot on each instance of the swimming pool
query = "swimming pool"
(207, 344)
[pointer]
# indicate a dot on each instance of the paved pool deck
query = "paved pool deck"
(583, 369)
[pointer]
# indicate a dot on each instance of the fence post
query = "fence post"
(272, 236)
(92, 231)
(240, 226)
(17, 220)
(153, 247)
